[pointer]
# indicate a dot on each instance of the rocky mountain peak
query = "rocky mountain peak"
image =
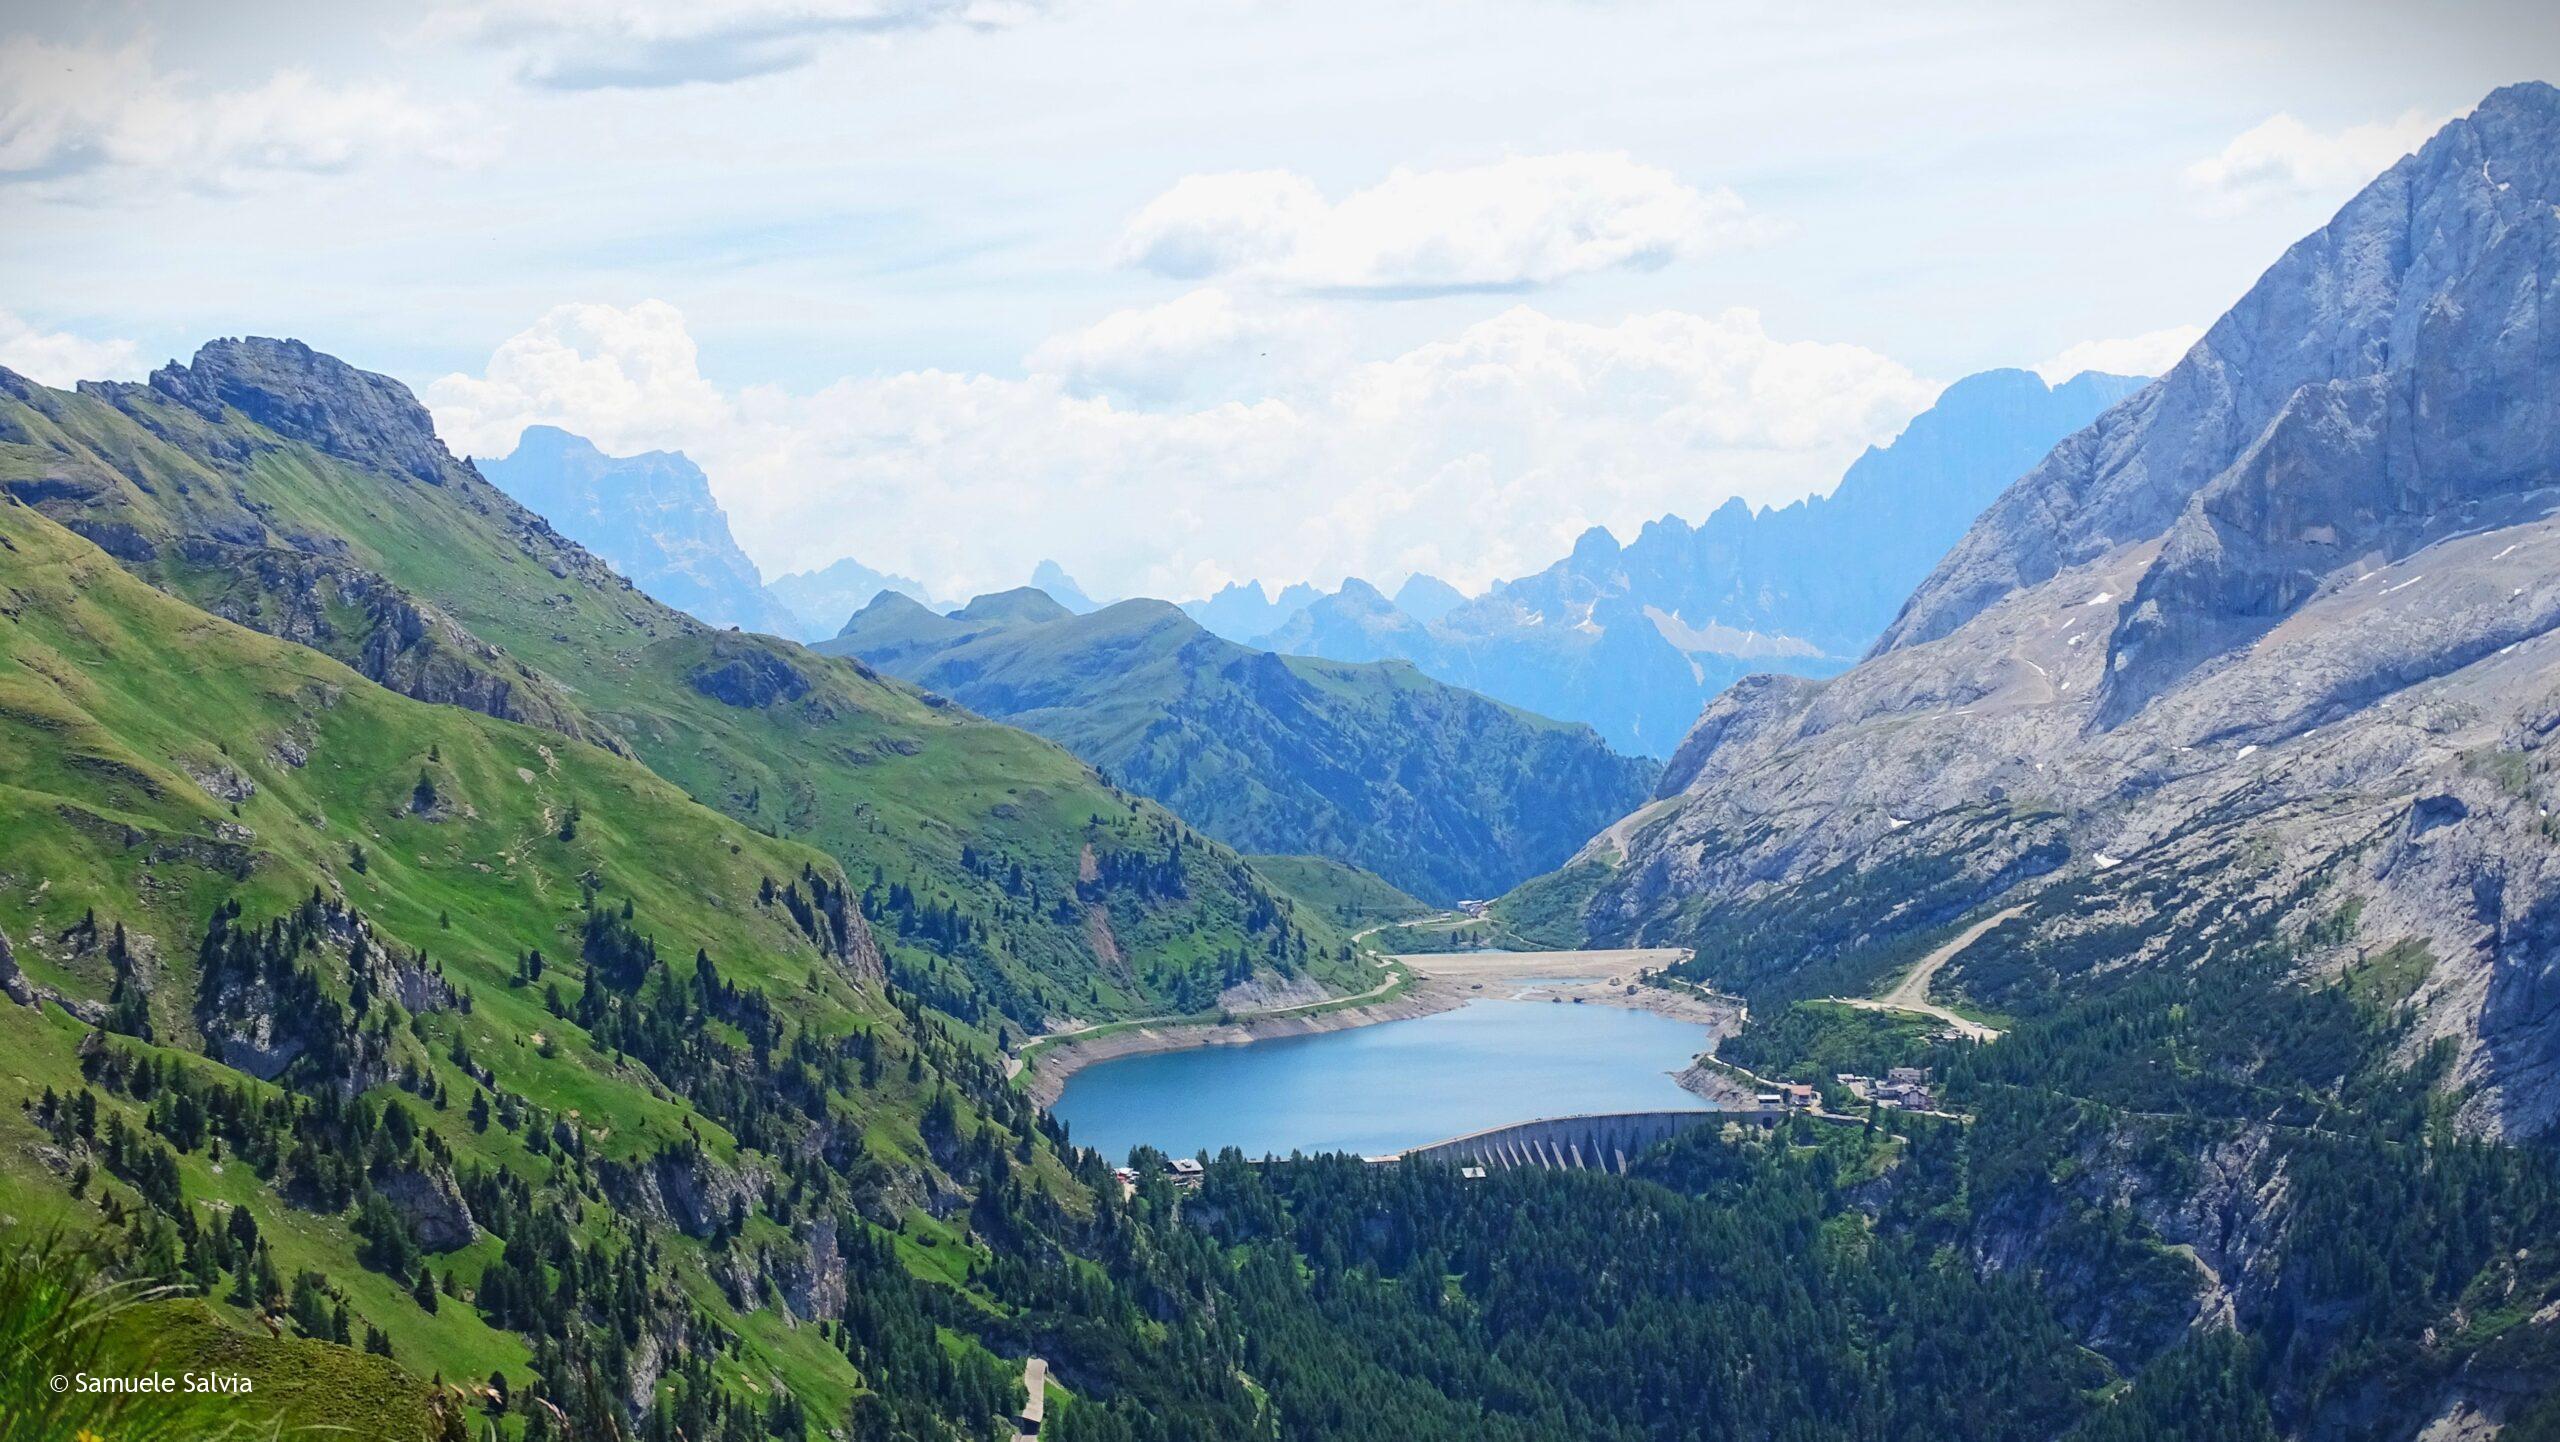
(2431, 268)
(1052, 579)
(300, 393)
(1427, 598)
(1361, 595)
(1594, 545)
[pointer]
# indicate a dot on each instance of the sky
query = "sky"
(1183, 292)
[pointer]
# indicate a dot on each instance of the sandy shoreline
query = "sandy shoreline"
(1442, 982)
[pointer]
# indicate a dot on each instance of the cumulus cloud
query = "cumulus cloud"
(58, 358)
(1477, 456)
(2148, 354)
(2281, 157)
(68, 111)
(627, 379)
(651, 44)
(1204, 345)
(1512, 224)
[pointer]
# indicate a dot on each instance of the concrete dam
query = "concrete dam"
(1603, 1142)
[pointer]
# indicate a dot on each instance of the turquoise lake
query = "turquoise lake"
(1383, 1088)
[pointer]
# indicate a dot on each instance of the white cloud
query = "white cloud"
(2282, 157)
(651, 44)
(626, 379)
(2148, 354)
(1203, 345)
(1477, 456)
(68, 111)
(1511, 224)
(58, 358)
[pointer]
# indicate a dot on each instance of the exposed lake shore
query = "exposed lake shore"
(1438, 982)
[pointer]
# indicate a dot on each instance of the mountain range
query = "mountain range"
(463, 993)
(1439, 791)
(653, 518)
(385, 1019)
(820, 600)
(281, 488)
(1245, 611)
(1634, 639)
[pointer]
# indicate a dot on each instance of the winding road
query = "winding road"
(1911, 993)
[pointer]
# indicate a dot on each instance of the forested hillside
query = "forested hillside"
(1440, 791)
(451, 1040)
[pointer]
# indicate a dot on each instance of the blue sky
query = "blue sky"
(1187, 292)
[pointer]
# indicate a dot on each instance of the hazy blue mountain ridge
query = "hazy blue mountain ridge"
(650, 516)
(822, 600)
(1636, 638)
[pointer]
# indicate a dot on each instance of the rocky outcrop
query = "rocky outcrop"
(13, 982)
(811, 1276)
(395, 640)
(433, 1206)
(249, 1022)
(682, 1187)
(304, 395)
(748, 675)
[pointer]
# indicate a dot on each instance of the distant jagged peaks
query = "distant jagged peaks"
(651, 516)
(1051, 578)
(1243, 610)
(823, 600)
(1635, 637)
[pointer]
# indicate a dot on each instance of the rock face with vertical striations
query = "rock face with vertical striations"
(2279, 628)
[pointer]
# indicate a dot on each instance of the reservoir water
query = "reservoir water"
(1383, 1088)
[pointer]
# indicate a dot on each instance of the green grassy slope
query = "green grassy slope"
(127, 719)
(1026, 888)
(1353, 899)
(1442, 792)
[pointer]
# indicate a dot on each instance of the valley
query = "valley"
(2037, 919)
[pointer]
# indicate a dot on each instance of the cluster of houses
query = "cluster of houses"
(1185, 1171)
(1789, 1096)
(1904, 1087)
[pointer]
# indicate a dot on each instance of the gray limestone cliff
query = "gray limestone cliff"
(2282, 625)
